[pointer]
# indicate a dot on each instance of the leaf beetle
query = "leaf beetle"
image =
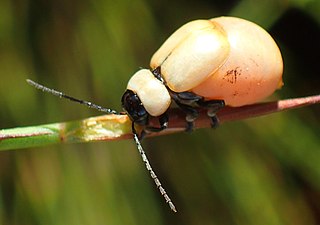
(205, 63)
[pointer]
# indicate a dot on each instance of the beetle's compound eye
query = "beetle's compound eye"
(131, 103)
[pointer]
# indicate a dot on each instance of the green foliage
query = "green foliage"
(260, 171)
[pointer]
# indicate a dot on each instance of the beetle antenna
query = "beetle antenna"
(111, 111)
(149, 168)
(62, 95)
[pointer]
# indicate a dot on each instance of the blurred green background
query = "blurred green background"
(259, 171)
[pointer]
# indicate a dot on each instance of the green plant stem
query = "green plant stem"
(117, 127)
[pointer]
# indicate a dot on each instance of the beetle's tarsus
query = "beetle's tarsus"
(213, 107)
(189, 126)
(214, 122)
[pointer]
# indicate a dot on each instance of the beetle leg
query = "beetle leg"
(191, 115)
(187, 98)
(187, 101)
(213, 107)
(163, 121)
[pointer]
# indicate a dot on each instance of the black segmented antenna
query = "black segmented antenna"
(134, 133)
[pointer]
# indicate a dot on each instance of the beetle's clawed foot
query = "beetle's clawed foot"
(190, 118)
(212, 112)
(214, 122)
(189, 127)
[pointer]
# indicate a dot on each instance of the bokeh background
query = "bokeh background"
(258, 171)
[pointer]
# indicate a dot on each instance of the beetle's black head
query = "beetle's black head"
(132, 104)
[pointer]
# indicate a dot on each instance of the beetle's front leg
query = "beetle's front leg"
(163, 121)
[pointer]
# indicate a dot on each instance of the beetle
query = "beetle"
(205, 63)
